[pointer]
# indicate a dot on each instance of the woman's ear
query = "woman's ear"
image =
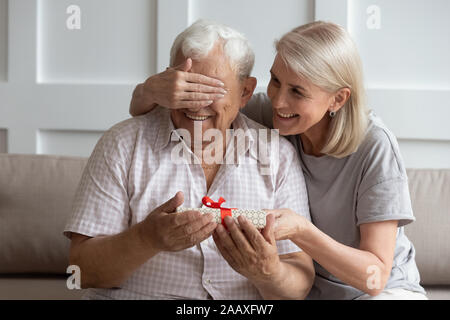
(340, 98)
(249, 85)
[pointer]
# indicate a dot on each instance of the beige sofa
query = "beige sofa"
(35, 199)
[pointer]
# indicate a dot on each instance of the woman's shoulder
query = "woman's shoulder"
(380, 150)
(378, 135)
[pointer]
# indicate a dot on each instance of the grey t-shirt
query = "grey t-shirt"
(367, 186)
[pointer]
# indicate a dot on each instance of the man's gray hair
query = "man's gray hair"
(196, 41)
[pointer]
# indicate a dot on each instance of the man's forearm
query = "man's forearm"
(294, 282)
(106, 262)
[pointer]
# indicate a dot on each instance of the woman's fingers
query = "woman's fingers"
(201, 96)
(198, 87)
(276, 213)
(185, 66)
(197, 78)
(194, 104)
(269, 231)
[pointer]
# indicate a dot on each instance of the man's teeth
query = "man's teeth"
(197, 118)
(287, 115)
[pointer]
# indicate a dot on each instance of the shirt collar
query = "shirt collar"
(166, 130)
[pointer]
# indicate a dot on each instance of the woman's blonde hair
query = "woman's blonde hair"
(324, 54)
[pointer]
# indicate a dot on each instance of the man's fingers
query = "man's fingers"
(238, 237)
(181, 218)
(205, 232)
(193, 223)
(196, 237)
(223, 250)
(252, 234)
(172, 204)
(202, 79)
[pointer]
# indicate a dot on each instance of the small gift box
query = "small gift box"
(257, 217)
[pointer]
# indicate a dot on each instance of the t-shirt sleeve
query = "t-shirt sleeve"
(291, 190)
(101, 205)
(384, 193)
(259, 109)
(387, 200)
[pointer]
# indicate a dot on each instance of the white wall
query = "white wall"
(61, 88)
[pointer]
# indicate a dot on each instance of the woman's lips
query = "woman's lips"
(286, 116)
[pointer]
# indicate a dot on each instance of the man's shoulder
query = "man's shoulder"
(132, 127)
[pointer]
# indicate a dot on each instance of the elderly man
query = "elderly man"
(129, 246)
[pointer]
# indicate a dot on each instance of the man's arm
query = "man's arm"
(294, 281)
(107, 261)
(298, 275)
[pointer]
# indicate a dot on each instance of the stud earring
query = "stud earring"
(332, 114)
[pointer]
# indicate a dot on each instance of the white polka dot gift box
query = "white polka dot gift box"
(255, 216)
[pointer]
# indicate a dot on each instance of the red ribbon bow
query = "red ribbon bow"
(217, 205)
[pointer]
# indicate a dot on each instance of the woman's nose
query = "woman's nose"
(279, 100)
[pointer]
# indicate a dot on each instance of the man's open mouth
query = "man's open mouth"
(196, 117)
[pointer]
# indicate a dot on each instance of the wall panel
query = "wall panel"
(67, 142)
(3, 40)
(115, 42)
(262, 21)
(3, 141)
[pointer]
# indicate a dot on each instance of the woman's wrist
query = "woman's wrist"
(304, 231)
(147, 93)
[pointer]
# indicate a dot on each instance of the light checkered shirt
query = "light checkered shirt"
(130, 173)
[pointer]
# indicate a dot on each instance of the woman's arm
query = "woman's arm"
(176, 88)
(366, 268)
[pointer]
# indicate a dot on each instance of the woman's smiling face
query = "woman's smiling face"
(298, 105)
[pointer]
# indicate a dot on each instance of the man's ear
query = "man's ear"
(249, 85)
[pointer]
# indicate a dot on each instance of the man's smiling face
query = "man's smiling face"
(221, 113)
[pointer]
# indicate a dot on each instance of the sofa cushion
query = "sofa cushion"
(42, 287)
(36, 194)
(430, 196)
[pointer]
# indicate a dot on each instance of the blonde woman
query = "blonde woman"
(355, 176)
